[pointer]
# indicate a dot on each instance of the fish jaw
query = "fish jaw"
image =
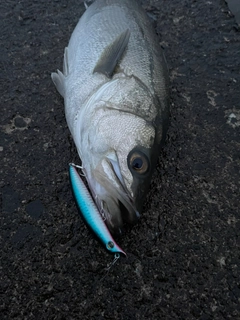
(111, 196)
(118, 199)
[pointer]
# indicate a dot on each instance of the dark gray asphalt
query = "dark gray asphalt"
(184, 255)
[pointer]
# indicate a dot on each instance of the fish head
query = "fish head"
(121, 149)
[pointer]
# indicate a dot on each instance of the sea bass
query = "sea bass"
(115, 89)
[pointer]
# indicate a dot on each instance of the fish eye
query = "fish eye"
(138, 162)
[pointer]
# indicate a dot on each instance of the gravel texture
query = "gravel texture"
(183, 257)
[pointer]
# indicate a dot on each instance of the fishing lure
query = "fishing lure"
(90, 212)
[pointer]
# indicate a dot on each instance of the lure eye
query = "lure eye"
(110, 245)
(138, 162)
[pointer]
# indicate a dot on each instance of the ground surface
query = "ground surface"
(183, 257)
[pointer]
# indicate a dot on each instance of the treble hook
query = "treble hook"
(115, 259)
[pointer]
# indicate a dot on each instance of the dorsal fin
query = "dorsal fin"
(112, 54)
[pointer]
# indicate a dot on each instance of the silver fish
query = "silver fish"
(115, 89)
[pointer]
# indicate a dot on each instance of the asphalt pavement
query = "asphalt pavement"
(183, 257)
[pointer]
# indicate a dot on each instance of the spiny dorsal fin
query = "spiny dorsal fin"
(112, 54)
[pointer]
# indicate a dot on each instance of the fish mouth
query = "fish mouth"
(116, 211)
(112, 198)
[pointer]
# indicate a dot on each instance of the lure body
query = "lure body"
(90, 212)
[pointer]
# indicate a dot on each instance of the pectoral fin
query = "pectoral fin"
(112, 54)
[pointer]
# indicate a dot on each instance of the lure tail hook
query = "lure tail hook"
(115, 259)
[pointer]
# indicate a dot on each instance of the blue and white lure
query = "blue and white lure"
(90, 212)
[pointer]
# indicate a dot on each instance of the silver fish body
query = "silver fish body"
(115, 89)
